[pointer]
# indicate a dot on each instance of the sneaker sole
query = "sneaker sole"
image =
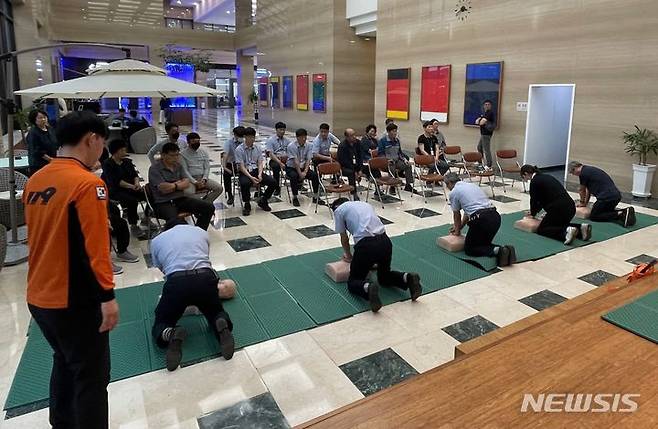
(631, 216)
(174, 353)
(415, 289)
(226, 340)
(586, 232)
(503, 257)
(512, 255)
(130, 261)
(373, 297)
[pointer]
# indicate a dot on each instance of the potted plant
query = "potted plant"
(253, 99)
(641, 143)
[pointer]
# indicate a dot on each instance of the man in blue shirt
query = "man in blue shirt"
(298, 167)
(249, 160)
(481, 217)
(371, 246)
(276, 148)
(322, 145)
(228, 161)
(390, 147)
(181, 252)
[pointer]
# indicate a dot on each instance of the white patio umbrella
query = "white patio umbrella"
(123, 78)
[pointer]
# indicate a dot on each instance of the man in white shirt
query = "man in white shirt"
(173, 134)
(321, 145)
(196, 164)
(249, 160)
(276, 148)
(371, 246)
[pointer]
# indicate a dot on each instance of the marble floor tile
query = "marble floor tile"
(316, 231)
(428, 350)
(641, 259)
(572, 288)
(470, 328)
(422, 213)
(504, 199)
(377, 371)
(598, 278)
(258, 412)
(387, 199)
(248, 243)
(385, 221)
(543, 300)
(519, 281)
(232, 222)
(288, 214)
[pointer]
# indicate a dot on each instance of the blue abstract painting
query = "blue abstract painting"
(483, 82)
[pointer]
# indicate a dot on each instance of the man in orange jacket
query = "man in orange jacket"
(70, 286)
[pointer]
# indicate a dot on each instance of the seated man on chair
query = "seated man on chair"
(389, 146)
(196, 163)
(298, 167)
(594, 181)
(275, 147)
(249, 160)
(428, 144)
(181, 252)
(173, 135)
(168, 183)
(371, 246)
(322, 145)
(228, 161)
(349, 158)
(481, 217)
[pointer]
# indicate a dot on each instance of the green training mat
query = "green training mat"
(639, 317)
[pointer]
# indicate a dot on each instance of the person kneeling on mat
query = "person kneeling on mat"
(594, 181)
(181, 252)
(481, 217)
(549, 194)
(371, 246)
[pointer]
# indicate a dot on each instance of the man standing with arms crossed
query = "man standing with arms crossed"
(487, 123)
(70, 287)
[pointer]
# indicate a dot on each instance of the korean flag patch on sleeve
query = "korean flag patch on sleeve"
(101, 193)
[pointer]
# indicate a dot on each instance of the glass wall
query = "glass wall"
(7, 44)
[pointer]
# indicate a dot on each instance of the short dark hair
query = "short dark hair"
(487, 101)
(388, 121)
(338, 202)
(72, 127)
(249, 131)
(170, 125)
(391, 127)
(170, 148)
(133, 113)
(301, 132)
(279, 125)
(192, 136)
(370, 127)
(324, 126)
(32, 116)
(427, 124)
(434, 120)
(116, 145)
(529, 169)
(174, 221)
(239, 131)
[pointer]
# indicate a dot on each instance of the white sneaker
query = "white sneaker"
(127, 257)
(571, 235)
(586, 231)
(117, 269)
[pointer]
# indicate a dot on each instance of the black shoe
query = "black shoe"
(277, 192)
(408, 188)
(320, 201)
(512, 254)
(503, 256)
(295, 202)
(263, 205)
(175, 348)
(226, 341)
(373, 297)
(246, 210)
(415, 289)
(355, 197)
(391, 190)
(629, 216)
(230, 201)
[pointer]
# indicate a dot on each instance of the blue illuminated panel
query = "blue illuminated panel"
(183, 72)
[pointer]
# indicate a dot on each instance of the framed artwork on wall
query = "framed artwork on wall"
(320, 92)
(302, 92)
(397, 93)
(484, 81)
(275, 91)
(287, 92)
(435, 93)
(263, 90)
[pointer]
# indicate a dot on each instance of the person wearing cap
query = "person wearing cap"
(275, 147)
(594, 181)
(298, 167)
(228, 161)
(481, 217)
(371, 246)
(182, 252)
(249, 160)
(390, 147)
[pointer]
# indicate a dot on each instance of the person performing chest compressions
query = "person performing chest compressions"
(482, 219)
(371, 246)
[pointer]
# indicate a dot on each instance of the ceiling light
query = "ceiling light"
(228, 12)
(130, 1)
(98, 3)
(178, 2)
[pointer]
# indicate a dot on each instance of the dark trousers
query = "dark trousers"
(296, 180)
(402, 167)
(81, 366)
(482, 228)
(350, 173)
(198, 289)
(368, 252)
(605, 211)
(228, 177)
(129, 199)
(276, 173)
(557, 219)
(246, 184)
(119, 228)
(366, 170)
(202, 209)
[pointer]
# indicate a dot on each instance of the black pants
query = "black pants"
(605, 211)
(119, 228)
(482, 228)
(246, 184)
(228, 180)
(402, 167)
(366, 171)
(198, 289)
(296, 180)
(129, 199)
(276, 173)
(368, 252)
(557, 219)
(350, 173)
(81, 366)
(202, 209)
